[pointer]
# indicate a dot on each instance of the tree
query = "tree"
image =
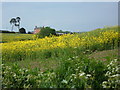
(13, 22)
(46, 31)
(22, 30)
(18, 22)
(60, 31)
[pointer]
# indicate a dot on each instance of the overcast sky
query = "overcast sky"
(70, 16)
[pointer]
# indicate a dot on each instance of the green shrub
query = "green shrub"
(46, 31)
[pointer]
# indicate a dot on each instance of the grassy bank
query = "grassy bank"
(86, 60)
(8, 37)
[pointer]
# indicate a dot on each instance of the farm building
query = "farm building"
(37, 29)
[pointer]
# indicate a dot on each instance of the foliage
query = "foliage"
(15, 22)
(29, 32)
(14, 77)
(46, 31)
(22, 30)
(81, 72)
(60, 31)
(3, 31)
(75, 70)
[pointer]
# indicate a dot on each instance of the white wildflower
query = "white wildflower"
(64, 81)
(104, 82)
(14, 75)
(75, 77)
(73, 74)
(76, 57)
(81, 74)
(115, 60)
(117, 68)
(76, 69)
(73, 87)
(20, 70)
(26, 70)
(88, 75)
(69, 59)
(71, 80)
(117, 75)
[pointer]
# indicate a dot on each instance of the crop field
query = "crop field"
(15, 37)
(85, 60)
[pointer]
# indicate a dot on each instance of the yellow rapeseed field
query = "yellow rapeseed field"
(23, 49)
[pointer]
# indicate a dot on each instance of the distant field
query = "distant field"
(8, 37)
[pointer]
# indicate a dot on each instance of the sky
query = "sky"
(66, 16)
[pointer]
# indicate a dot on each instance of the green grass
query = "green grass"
(42, 65)
(105, 55)
(8, 37)
(70, 73)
